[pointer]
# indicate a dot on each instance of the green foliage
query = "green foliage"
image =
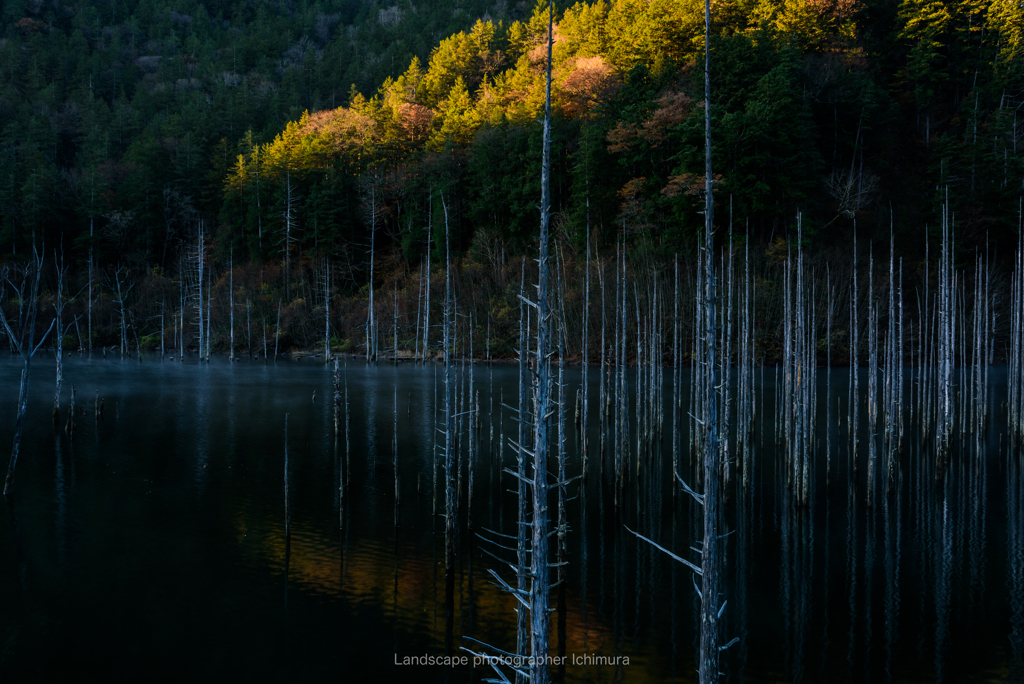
(925, 23)
(143, 118)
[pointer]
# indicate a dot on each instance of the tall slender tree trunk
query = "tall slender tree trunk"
(199, 288)
(540, 617)
(89, 309)
(450, 526)
(708, 665)
(277, 332)
(231, 303)
(585, 355)
(209, 307)
(327, 310)
(371, 337)
(426, 307)
(522, 518)
(289, 223)
(59, 307)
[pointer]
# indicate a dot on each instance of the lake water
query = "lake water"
(153, 545)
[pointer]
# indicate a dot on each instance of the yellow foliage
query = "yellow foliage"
(1008, 18)
(458, 118)
(646, 32)
(805, 22)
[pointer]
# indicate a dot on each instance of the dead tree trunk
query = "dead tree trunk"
(121, 289)
(290, 216)
(426, 306)
(59, 345)
(327, 310)
(709, 609)
(450, 527)
(92, 220)
(946, 305)
(231, 304)
(522, 519)
(540, 617)
(24, 343)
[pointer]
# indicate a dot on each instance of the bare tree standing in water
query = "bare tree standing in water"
(24, 343)
(707, 387)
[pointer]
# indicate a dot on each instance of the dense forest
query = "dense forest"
(281, 144)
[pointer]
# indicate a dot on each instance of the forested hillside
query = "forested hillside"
(131, 113)
(303, 133)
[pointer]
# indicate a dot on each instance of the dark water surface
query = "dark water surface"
(153, 545)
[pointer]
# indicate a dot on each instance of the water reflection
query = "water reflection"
(174, 508)
(1015, 560)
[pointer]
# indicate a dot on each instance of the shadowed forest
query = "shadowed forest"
(285, 144)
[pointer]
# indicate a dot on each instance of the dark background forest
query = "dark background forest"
(297, 136)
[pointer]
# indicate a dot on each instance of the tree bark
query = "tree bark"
(540, 617)
(708, 666)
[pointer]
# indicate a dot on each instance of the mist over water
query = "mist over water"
(153, 544)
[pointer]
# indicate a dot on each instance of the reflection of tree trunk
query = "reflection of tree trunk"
(562, 522)
(287, 521)
(892, 521)
(449, 612)
(852, 556)
(19, 426)
(21, 558)
(944, 562)
(522, 537)
(1015, 563)
(853, 420)
(69, 427)
(398, 491)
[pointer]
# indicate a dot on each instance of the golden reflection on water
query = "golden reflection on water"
(367, 573)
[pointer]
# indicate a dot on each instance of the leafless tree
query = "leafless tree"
(58, 307)
(23, 341)
(289, 216)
